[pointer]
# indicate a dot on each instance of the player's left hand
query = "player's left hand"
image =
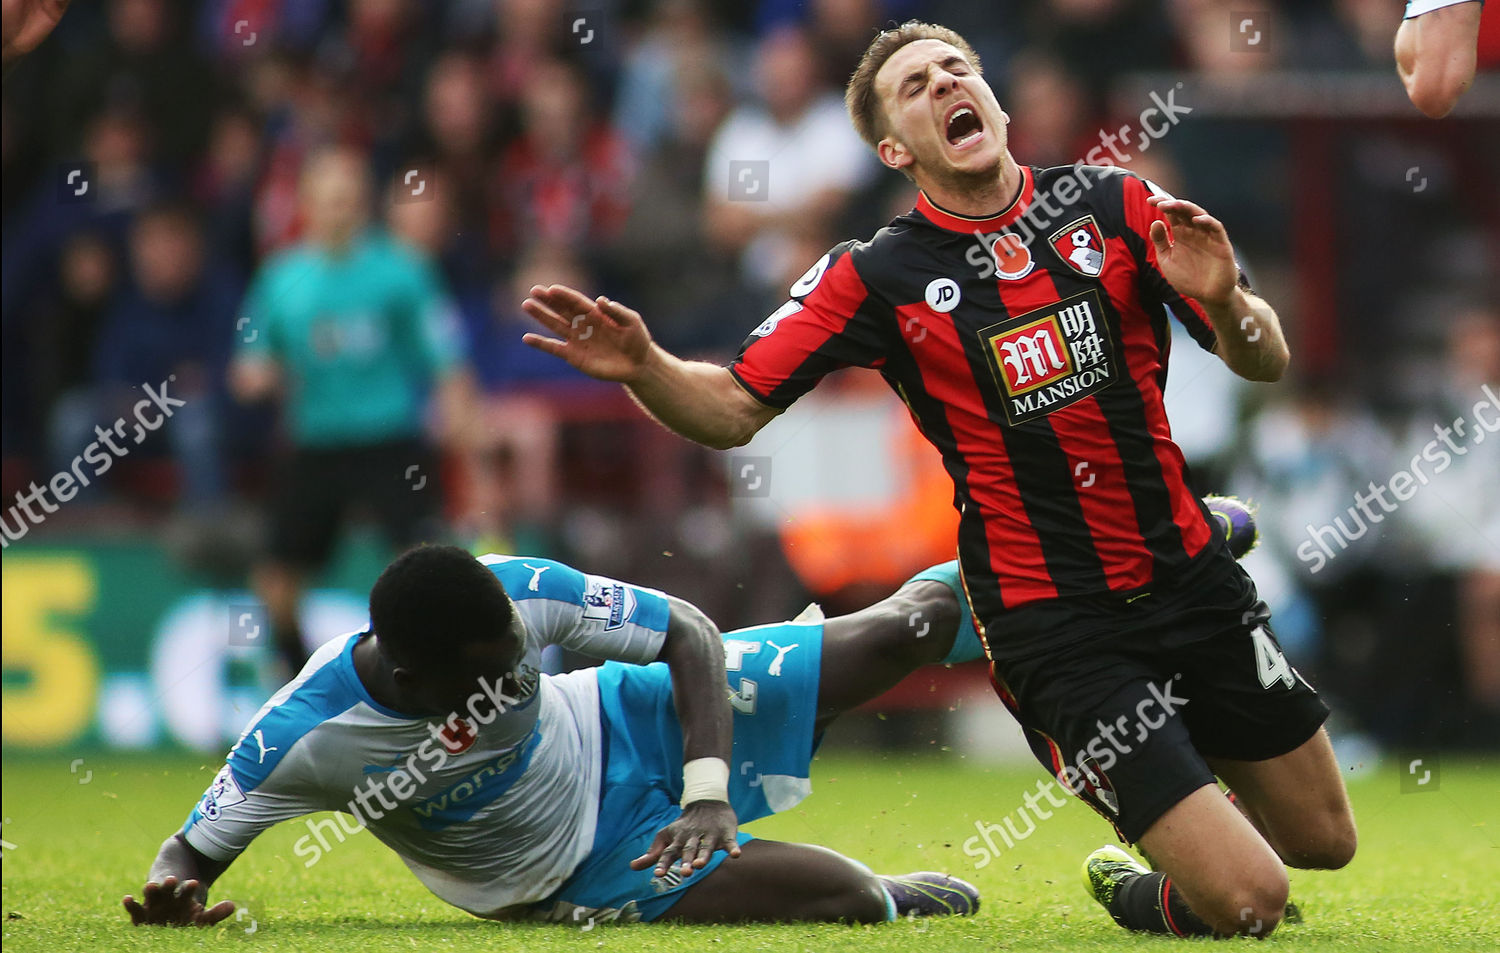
(1194, 255)
(704, 827)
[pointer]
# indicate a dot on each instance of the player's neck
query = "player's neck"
(375, 674)
(985, 198)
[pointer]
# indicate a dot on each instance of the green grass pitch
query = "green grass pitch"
(1425, 878)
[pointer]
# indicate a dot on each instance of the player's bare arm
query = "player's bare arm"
(610, 342)
(1435, 56)
(1194, 255)
(694, 652)
(176, 891)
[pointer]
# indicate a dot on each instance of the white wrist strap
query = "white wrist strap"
(705, 779)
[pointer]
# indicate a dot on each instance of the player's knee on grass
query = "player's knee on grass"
(1326, 842)
(1251, 904)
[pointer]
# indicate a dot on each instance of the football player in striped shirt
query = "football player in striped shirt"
(1021, 314)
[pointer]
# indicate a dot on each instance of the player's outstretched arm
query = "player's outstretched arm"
(609, 341)
(1435, 56)
(1197, 260)
(694, 653)
(176, 891)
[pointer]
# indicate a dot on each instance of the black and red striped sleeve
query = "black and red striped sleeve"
(830, 321)
(1139, 215)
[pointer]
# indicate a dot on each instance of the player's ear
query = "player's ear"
(406, 680)
(893, 155)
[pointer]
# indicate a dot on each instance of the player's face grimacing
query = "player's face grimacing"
(942, 118)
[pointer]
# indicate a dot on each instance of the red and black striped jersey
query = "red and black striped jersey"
(1031, 349)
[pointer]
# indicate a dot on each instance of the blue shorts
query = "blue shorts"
(774, 670)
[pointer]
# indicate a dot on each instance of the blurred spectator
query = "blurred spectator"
(1307, 459)
(107, 189)
(676, 275)
(225, 181)
(1457, 517)
(1207, 40)
(566, 178)
(306, 109)
(1100, 39)
(350, 328)
(60, 344)
(143, 63)
(785, 166)
(677, 37)
(171, 327)
(840, 30)
(1056, 126)
(458, 139)
(232, 31)
(528, 33)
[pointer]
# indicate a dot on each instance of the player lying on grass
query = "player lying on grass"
(549, 808)
(511, 793)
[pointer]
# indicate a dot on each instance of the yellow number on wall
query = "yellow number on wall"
(55, 704)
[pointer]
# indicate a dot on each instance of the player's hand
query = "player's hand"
(1194, 254)
(24, 24)
(175, 904)
(689, 841)
(600, 337)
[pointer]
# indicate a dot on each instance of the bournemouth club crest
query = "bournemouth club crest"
(1080, 246)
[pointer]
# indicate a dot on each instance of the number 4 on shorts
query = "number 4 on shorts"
(1270, 664)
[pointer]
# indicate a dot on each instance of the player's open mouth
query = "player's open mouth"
(962, 125)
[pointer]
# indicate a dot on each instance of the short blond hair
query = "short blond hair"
(859, 96)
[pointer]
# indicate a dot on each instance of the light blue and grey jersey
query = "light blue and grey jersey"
(486, 813)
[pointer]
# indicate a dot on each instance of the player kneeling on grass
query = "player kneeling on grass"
(512, 794)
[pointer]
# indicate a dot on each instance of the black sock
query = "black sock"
(1138, 905)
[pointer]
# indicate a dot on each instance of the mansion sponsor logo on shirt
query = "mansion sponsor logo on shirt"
(1049, 358)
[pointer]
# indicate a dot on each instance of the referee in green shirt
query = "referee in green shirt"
(354, 332)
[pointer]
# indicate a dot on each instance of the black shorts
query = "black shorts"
(396, 482)
(1127, 717)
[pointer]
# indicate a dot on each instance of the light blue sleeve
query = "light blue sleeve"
(595, 615)
(262, 783)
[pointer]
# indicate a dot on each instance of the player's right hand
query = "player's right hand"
(175, 904)
(600, 337)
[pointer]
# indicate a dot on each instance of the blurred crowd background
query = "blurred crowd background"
(512, 142)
